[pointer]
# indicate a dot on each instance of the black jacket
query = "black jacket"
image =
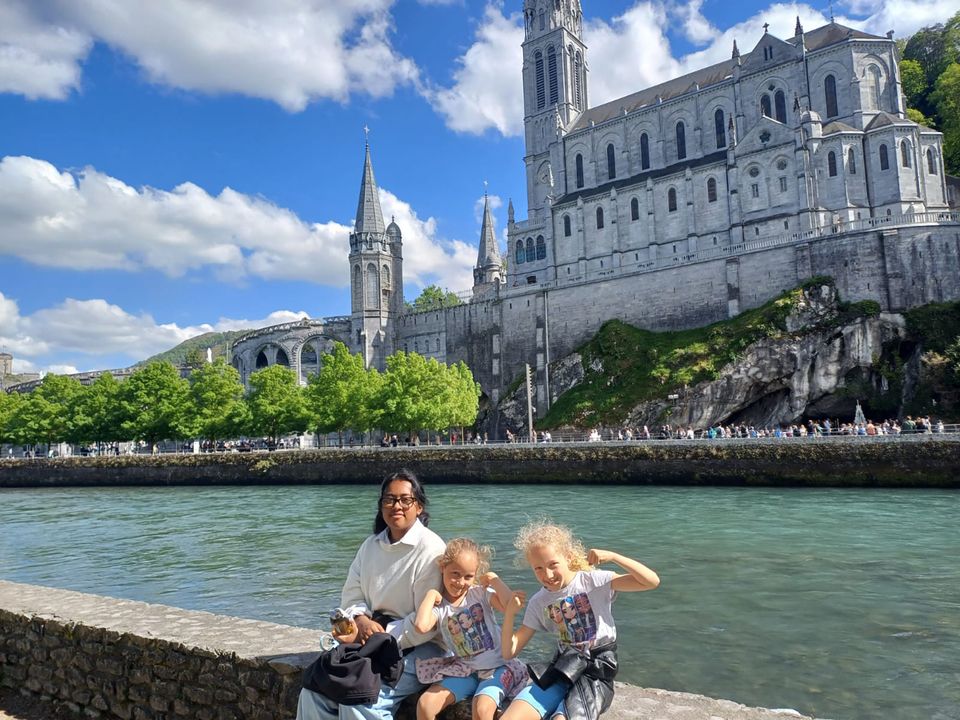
(351, 674)
(590, 677)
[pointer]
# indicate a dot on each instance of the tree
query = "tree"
(914, 82)
(946, 98)
(195, 358)
(410, 393)
(217, 409)
(463, 394)
(343, 394)
(153, 402)
(929, 47)
(45, 415)
(9, 406)
(433, 297)
(97, 413)
(276, 403)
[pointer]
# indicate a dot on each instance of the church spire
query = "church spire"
(369, 216)
(736, 50)
(798, 30)
(489, 253)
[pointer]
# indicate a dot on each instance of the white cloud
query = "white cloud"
(632, 52)
(486, 92)
(97, 328)
(38, 59)
(289, 51)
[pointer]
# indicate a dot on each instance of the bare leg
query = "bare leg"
(484, 707)
(520, 710)
(434, 699)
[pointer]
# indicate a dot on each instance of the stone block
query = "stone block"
(81, 696)
(140, 713)
(225, 696)
(100, 702)
(200, 696)
(182, 708)
(110, 667)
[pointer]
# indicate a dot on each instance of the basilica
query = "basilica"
(675, 206)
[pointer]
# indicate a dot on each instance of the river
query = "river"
(837, 603)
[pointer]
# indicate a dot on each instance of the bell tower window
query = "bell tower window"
(552, 74)
(538, 64)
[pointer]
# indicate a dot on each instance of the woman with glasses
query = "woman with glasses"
(389, 577)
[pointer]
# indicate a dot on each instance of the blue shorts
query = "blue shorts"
(547, 702)
(465, 687)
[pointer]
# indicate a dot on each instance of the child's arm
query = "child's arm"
(503, 594)
(638, 577)
(425, 621)
(511, 643)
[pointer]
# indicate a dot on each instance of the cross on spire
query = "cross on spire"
(484, 188)
(366, 134)
(765, 27)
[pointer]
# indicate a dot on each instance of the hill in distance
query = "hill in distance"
(218, 342)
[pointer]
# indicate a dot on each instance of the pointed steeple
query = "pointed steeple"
(798, 30)
(736, 50)
(369, 216)
(489, 253)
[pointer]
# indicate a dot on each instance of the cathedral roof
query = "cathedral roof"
(883, 119)
(837, 127)
(489, 252)
(814, 40)
(369, 216)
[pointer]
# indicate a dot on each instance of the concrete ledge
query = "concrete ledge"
(109, 658)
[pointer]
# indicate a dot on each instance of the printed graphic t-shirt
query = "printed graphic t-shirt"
(470, 629)
(579, 614)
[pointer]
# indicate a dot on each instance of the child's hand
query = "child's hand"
(599, 557)
(516, 602)
(487, 578)
(434, 596)
(345, 639)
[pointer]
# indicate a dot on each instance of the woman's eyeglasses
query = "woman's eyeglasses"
(404, 501)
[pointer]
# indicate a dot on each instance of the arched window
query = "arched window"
(780, 106)
(438, 344)
(520, 255)
(931, 162)
(720, 128)
(531, 250)
(599, 218)
(577, 72)
(611, 162)
(261, 360)
(711, 190)
(681, 141)
(851, 162)
(904, 153)
(357, 287)
(566, 226)
(309, 361)
(282, 358)
(373, 291)
(552, 74)
(543, 18)
(538, 65)
(385, 276)
(832, 164)
(875, 88)
(541, 248)
(672, 200)
(765, 106)
(579, 164)
(644, 152)
(830, 95)
(634, 209)
(884, 160)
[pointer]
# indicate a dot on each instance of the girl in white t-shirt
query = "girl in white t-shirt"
(463, 610)
(574, 604)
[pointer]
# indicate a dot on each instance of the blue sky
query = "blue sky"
(169, 168)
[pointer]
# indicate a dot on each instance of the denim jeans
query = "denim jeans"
(314, 706)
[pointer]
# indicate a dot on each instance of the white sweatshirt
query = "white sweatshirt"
(393, 578)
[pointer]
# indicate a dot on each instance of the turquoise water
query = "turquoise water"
(838, 603)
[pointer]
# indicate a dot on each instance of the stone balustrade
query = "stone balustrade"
(108, 658)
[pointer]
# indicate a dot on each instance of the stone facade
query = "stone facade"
(676, 206)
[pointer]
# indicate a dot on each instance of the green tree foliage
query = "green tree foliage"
(9, 406)
(930, 75)
(44, 416)
(152, 402)
(216, 405)
(276, 403)
(343, 395)
(463, 395)
(433, 297)
(97, 412)
(195, 358)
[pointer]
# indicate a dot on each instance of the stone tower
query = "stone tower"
(554, 89)
(376, 275)
(488, 273)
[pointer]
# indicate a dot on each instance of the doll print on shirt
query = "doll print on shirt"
(573, 619)
(467, 633)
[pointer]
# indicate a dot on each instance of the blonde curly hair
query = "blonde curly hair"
(460, 545)
(544, 533)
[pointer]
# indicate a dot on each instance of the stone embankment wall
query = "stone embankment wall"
(904, 461)
(107, 658)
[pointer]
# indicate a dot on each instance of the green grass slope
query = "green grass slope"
(219, 342)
